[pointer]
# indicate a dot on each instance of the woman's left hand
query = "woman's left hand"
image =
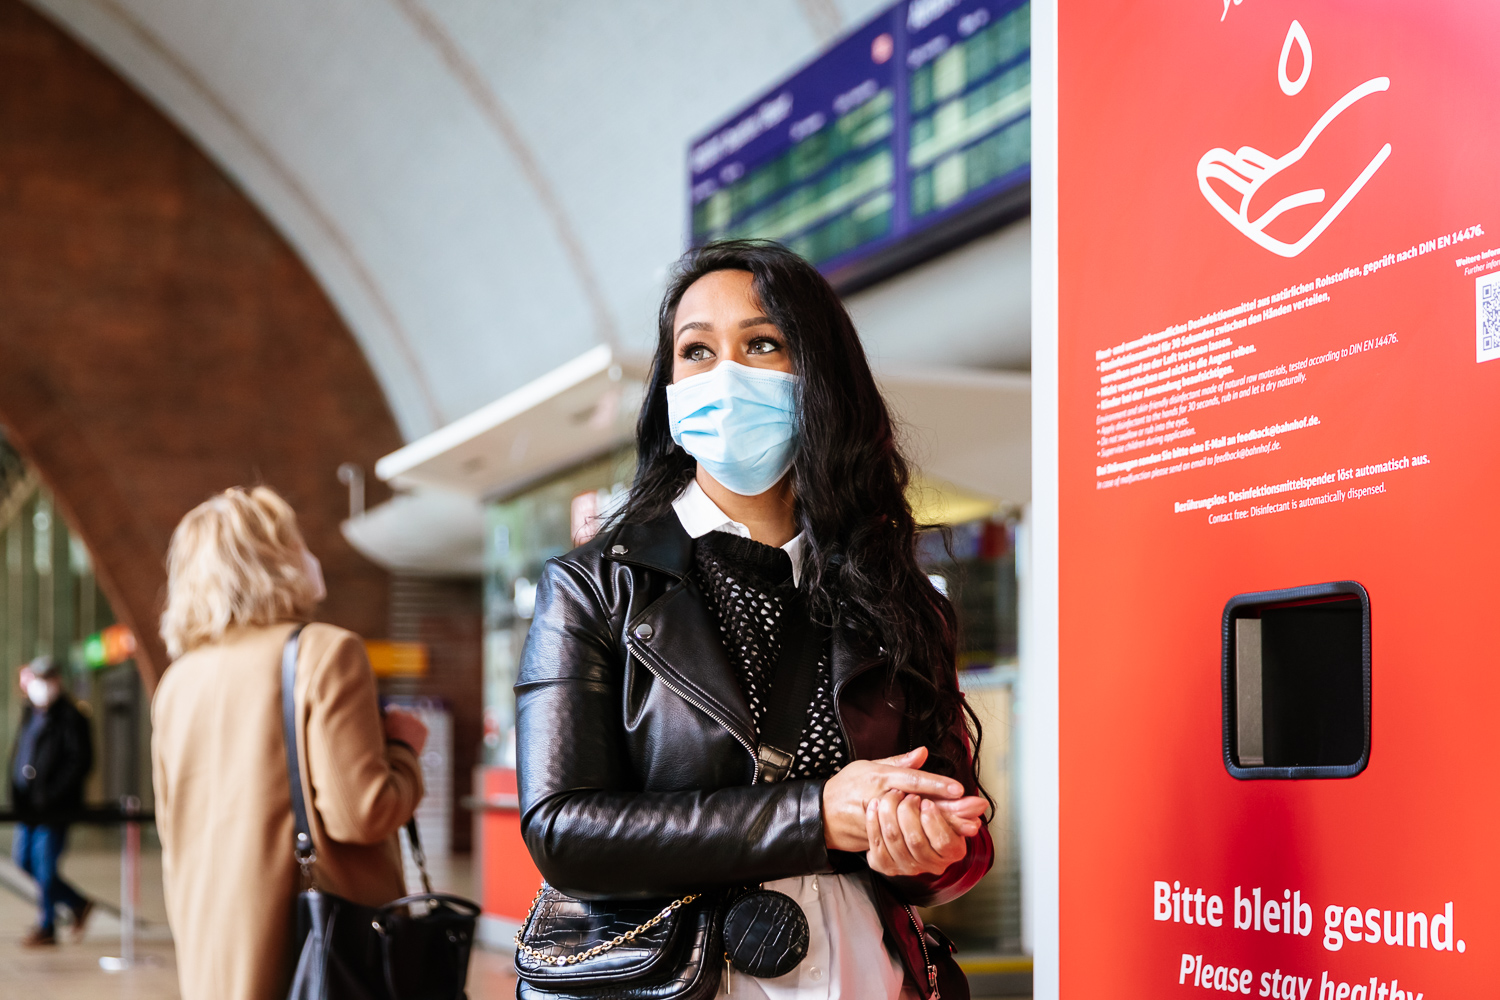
(404, 727)
(910, 836)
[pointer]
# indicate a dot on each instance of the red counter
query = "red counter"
(507, 879)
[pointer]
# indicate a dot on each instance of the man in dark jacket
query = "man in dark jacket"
(53, 754)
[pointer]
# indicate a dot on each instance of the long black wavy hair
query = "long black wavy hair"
(849, 479)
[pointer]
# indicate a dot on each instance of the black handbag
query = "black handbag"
(574, 949)
(415, 948)
(677, 949)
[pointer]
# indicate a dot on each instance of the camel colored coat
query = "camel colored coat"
(223, 808)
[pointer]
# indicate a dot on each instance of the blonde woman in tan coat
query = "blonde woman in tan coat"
(239, 579)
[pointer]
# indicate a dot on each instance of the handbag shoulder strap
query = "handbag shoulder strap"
(302, 844)
(791, 690)
(417, 853)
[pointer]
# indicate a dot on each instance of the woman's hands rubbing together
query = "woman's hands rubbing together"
(907, 821)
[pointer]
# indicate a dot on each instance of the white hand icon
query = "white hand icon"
(1248, 170)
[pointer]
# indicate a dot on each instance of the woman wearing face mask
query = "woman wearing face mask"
(666, 744)
(239, 580)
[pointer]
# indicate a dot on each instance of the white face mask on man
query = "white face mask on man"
(40, 692)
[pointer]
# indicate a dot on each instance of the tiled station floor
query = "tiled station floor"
(70, 971)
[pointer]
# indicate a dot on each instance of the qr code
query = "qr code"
(1487, 316)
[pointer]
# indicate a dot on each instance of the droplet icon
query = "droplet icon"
(1289, 87)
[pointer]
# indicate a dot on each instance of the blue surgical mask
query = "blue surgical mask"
(739, 423)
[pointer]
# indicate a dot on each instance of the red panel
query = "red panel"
(510, 878)
(1400, 456)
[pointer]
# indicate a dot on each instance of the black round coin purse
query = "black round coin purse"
(765, 934)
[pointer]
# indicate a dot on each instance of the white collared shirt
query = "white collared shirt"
(700, 515)
(845, 935)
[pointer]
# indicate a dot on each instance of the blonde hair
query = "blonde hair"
(235, 559)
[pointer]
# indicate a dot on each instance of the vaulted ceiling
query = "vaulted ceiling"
(485, 189)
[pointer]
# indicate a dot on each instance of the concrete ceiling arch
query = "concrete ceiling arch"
(161, 341)
(484, 190)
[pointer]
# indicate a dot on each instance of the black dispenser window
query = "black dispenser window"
(1297, 682)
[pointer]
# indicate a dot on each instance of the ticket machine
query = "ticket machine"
(1267, 376)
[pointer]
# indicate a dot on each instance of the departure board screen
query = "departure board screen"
(915, 126)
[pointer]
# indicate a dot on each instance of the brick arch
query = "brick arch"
(159, 340)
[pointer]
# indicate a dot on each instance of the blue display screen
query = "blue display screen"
(919, 116)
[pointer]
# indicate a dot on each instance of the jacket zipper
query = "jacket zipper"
(932, 986)
(679, 692)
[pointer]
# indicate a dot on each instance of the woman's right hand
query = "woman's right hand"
(846, 794)
(405, 728)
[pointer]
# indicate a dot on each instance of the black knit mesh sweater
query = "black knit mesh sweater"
(745, 583)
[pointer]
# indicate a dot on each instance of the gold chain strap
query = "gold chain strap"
(597, 949)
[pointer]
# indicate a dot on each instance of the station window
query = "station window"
(51, 604)
(523, 531)
(1296, 682)
(973, 562)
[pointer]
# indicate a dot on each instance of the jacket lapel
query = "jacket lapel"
(845, 663)
(662, 545)
(864, 708)
(676, 635)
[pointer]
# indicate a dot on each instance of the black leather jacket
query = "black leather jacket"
(635, 745)
(62, 759)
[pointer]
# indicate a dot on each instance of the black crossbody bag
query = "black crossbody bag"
(416, 948)
(679, 949)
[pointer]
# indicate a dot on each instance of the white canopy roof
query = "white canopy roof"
(964, 429)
